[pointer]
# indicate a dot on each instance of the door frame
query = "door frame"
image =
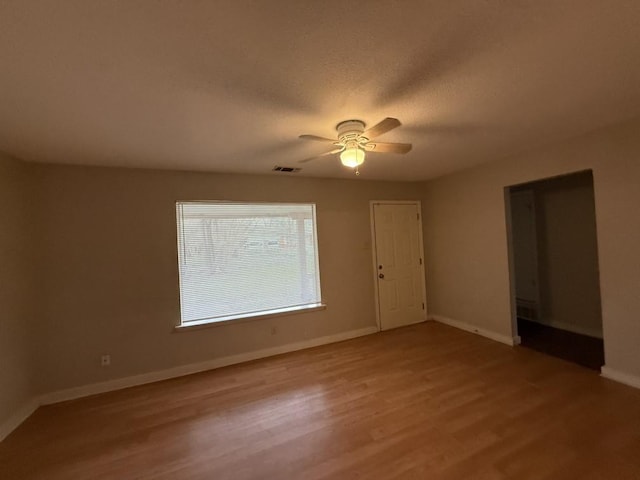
(517, 340)
(510, 249)
(374, 261)
(511, 252)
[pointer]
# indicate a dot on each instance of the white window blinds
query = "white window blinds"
(240, 259)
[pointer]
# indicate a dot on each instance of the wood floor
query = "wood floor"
(426, 401)
(573, 347)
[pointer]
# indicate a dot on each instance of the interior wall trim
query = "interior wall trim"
(589, 332)
(125, 382)
(498, 337)
(135, 380)
(622, 377)
(15, 420)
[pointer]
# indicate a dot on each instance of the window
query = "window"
(240, 260)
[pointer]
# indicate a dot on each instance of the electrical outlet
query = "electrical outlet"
(105, 360)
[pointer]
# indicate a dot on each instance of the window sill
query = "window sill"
(218, 322)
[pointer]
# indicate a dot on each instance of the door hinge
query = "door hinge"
(420, 261)
(418, 216)
(423, 305)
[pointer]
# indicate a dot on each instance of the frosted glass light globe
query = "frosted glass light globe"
(352, 157)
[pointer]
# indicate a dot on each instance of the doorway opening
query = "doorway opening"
(398, 266)
(555, 280)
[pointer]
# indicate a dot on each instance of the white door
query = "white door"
(399, 266)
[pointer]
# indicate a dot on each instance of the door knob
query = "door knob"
(381, 275)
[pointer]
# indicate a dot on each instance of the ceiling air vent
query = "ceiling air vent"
(278, 168)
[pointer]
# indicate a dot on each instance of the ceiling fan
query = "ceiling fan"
(353, 141)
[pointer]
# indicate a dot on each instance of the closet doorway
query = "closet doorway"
(555, 276)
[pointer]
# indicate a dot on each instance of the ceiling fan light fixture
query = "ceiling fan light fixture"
(354, 141)
(352, 156)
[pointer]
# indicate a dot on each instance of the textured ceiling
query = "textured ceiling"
(229, 85)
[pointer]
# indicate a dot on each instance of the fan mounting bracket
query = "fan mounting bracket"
(350, 131)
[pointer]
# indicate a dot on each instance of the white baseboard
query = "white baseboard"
(72, 393)
(498, 337)
(17, 418)
(626, 378)
(135, 380)
(570, 327)
(95, 388)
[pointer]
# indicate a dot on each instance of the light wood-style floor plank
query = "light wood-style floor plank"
(426, 401)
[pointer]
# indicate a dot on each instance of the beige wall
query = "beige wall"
(568, 254)
(16, 286)
(111, 274)
(106, 278)
(466, 241)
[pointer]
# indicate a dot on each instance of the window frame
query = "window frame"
(246, 316)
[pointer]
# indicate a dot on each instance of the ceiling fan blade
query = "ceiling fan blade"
(317, 139)
(383, 127)
(337, 150)
(388, 147)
